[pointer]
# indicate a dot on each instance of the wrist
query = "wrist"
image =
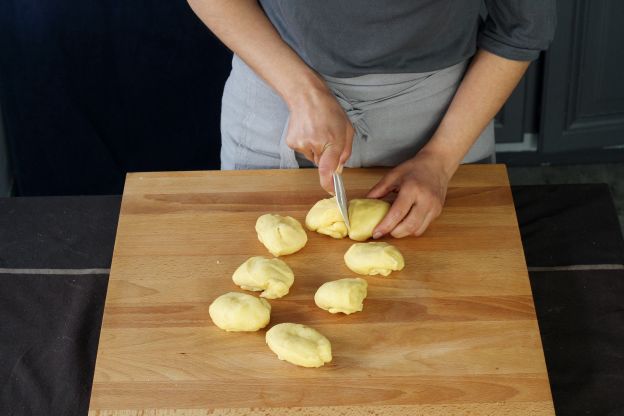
(305, 90)
(445, 158)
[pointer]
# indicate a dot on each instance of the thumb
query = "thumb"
(328, 163)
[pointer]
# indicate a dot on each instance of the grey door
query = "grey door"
(5, 175)
(508, 122)
(583, 99)
(519, 115)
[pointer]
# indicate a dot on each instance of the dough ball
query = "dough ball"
(364, 215)
(324, 218)
(299, 344)
(344, 295)
(374, 258)
(273, 276)
(236, 311)
(280, 235)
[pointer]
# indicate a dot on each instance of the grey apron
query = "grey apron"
(394, 115)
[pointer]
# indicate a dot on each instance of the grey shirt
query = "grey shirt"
(346, 38)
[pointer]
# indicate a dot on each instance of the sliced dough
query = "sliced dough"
(364, 215)
(280, 235)
(235, 311)
(273, 276)
(299, 344)
(374, 258)
(344, 295)
(324, 218)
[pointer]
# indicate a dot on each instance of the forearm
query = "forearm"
(488, 82)
(244, 28)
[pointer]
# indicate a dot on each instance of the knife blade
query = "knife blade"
(341, 197)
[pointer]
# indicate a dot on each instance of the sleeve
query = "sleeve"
(518, 29)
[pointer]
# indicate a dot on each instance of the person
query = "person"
(411, 84)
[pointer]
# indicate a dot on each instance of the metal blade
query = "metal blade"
(341, 198)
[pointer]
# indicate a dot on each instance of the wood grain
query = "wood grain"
(454, 333)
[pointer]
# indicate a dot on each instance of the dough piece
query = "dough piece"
(299, 345)
(236, 311)
(374, 258)
(280, 235)
(259, 273)
(344, 295)
(324, 218)
(364, 215)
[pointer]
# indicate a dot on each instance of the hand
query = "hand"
(421, 184)
(320, 129)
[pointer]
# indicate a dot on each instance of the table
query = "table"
(51, 323)
(454, 332)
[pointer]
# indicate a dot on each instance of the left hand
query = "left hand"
(421, 184)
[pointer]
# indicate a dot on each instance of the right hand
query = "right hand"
(319, 129)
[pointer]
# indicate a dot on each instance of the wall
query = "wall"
(5, 176)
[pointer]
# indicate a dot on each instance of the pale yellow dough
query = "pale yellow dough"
(364, 215)
(299, 344)
(374, 258)
(273, 276)
(236, 311)
(280, 235)
(324, 218)
(344, 295)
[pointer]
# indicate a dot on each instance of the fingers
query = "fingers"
(399, 209)
(431, 215)
(418, 220)
(411, 222)
(348, 147)
(385, 185)
(318, 152)
(308, 154)
(316, 157)
(328, 162)
(323, 134)
(411, 214)
(312, 154)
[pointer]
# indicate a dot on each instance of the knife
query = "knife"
(341, 196)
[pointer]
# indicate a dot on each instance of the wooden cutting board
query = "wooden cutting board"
(454, 333)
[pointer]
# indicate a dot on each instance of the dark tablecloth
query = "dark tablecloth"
(50, 316)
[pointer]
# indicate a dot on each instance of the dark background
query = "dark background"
(90, 90)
